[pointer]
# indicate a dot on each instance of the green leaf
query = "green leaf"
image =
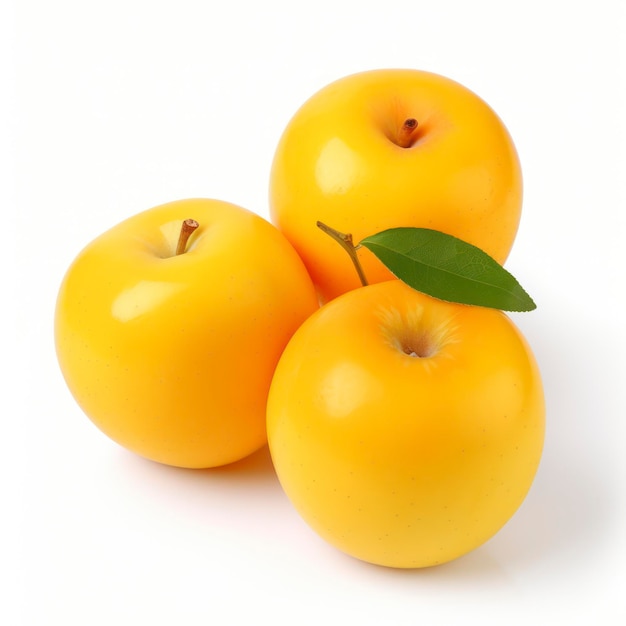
(448, 268)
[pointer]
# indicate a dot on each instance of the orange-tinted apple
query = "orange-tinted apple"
(388, 148)
(168, 342)
(406, 430)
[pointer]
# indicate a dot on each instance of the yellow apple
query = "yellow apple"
(390, 148)
(169, 345)
(406, 430)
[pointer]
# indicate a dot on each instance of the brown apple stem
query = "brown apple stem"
(185, 232)
(406, 134)
(345, 241)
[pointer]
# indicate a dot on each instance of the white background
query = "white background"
(109, 108)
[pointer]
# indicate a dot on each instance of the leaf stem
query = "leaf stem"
(345, 241)
(185, 232)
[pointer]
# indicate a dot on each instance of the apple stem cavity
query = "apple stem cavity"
(406, 134)
(186, 229)
(345, 241)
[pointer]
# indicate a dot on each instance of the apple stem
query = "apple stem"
(185, 232)
(345, 241)
(406, 134)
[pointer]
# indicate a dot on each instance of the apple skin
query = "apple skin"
(398, 459)
(172, 356)
(339, 161)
